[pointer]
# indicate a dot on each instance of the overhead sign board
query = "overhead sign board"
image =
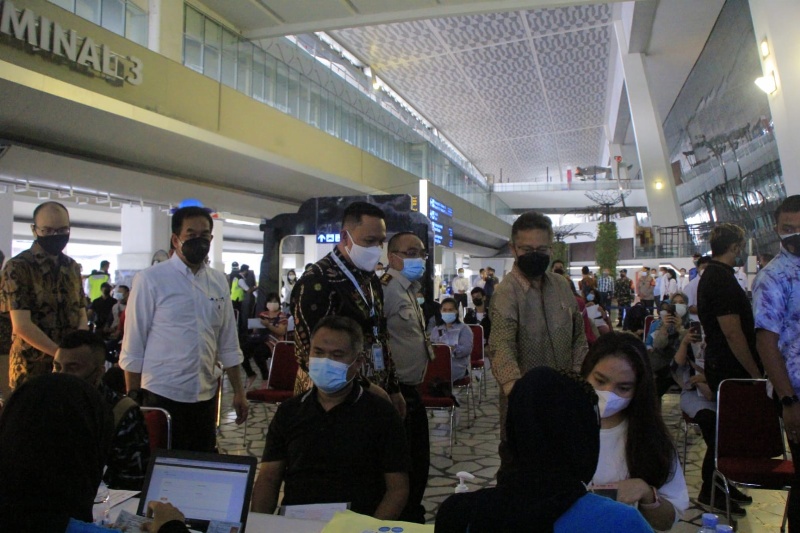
(441, 216)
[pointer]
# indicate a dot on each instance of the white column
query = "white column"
(144, 231)
(215, 254)
(6, 220)
(662, 198)
(776, 22)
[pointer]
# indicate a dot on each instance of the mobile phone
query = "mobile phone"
(694, 327)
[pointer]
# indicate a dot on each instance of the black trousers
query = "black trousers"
(419, 448)
(194, 425)
(794, 494)
(461, 299)
(707, 420)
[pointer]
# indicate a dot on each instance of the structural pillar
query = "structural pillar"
(662, 197)
(215, 253)
(145, 230)
(6, 220)
(775, 21)
(619, 170)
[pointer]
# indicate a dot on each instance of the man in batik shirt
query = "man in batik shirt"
(41, 290)
(343, 283)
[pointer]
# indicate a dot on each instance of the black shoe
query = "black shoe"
(719, 505)
(740, 497)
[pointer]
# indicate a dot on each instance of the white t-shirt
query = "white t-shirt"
(612, 466)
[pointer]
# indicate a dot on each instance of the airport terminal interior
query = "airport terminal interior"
(652, 119)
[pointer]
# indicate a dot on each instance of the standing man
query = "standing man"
(660, 289)
(694, 271)
(490, 285)
(344, 283)
(102, 308)
(645, 288)
(623, 291)
(41, 289)
(535, 317)
(481, 279)
(691, 288)
(605, 286)
(411, 350)
(776, 302)
(96, 280)
(460, 289)
(179, 328)
(725, 312)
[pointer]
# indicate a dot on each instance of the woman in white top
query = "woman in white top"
(450, 330)
(637, 455)
(671, 284)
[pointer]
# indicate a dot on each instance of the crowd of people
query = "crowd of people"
(579, 396)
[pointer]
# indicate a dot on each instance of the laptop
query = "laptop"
(212, 491)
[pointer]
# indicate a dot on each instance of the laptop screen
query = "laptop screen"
(204, 487)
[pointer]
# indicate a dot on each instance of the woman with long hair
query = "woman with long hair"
(637, 456)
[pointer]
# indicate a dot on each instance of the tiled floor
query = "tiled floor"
(476, 452)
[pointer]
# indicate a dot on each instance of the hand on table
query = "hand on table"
(161, 514)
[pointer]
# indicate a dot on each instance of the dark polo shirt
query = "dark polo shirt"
(340, 455)
(719, 294)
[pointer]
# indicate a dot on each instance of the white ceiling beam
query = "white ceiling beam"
(451, 9)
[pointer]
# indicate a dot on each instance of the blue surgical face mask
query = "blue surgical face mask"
(413, 269)
(590, 297)
(420, 300)
(449, 318)
(328, 375)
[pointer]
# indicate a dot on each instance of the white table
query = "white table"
(256, 522)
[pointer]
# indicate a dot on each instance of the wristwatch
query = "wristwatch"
(787, 401)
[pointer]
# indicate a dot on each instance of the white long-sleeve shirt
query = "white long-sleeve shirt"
(177, 326)
(460, 285)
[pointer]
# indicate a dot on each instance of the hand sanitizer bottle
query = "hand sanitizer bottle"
(462, 487)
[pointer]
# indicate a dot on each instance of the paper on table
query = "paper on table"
(254, 323)
(348, 521)
(321, 512)
(116, 497)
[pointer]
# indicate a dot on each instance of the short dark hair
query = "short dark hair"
(344, 324)
(790, 205)
(124, 287)
(392, 245)
(623, 271)
(189, 212)
(482, 270)
(723, 236)
(244, 268)
(478, 290)
(104, 285)
(357, 210)
(585, 270)
(704, 260)
(558, 261)
(273, 296)
(104, 263)
(531, 220)
(82, 337)
(48, 204)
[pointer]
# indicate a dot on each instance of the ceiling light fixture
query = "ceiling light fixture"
(764, 48)
(767, 83)
(659, 185)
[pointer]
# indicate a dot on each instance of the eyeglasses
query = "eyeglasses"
(524, 250)
(413, 253)
(47, 232)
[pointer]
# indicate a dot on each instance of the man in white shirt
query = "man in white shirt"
(683, 280)
(179, 325)
(691, 287)
(460, 287)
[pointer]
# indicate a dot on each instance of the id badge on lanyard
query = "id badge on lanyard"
(377, 357)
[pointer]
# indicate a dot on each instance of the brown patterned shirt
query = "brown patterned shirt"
(532, 326)
(326, 290)
(51, 289)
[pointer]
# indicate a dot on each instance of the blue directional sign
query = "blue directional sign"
(329, 238)
(441, 217)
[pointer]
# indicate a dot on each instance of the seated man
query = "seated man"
(479, 315)
(82, 354)
(335, 443)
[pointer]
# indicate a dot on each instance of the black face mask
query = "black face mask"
(53, 244)
(794, 242)
(533, 264)
(195, 250)
(477, 301)
(558, 271)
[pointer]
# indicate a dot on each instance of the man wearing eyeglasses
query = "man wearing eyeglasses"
(411, 350)
(41, 290)
(534, 314)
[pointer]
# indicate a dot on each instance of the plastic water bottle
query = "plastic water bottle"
(710, 521)
(724, 528)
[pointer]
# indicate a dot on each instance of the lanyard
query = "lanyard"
(352, 279)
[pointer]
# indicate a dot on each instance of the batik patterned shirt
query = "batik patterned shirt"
(776, 305)
(51, 289)
(623, 291)
(326, 290)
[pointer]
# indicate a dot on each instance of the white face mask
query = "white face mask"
(379, 273)
(362, 257)
(273, 306)
(610, 404)
(681, 310)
